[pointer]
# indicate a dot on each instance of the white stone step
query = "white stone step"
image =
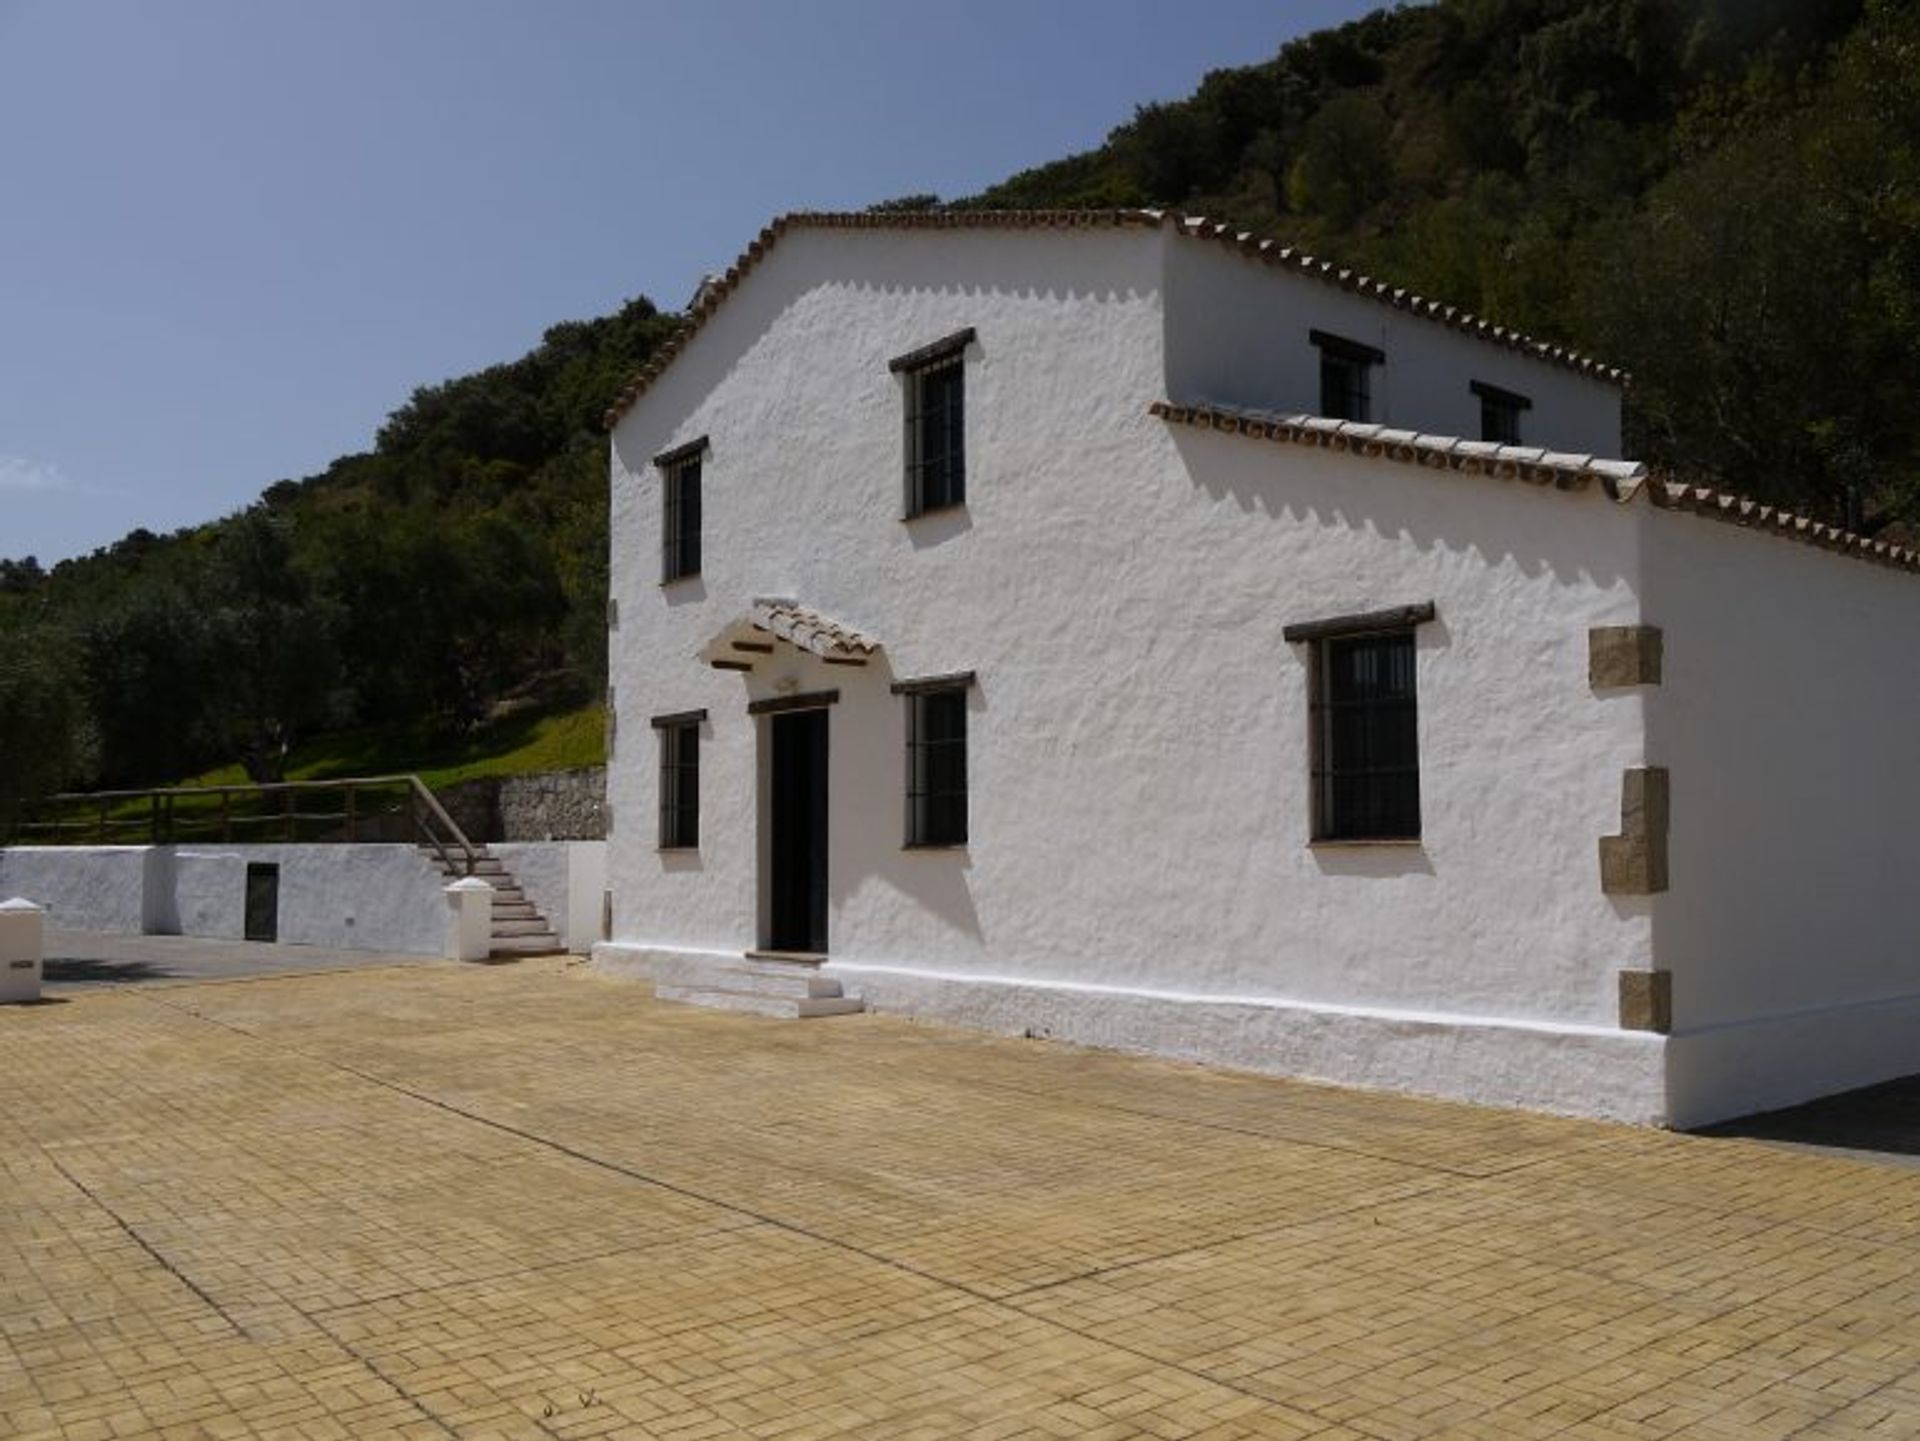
(512, 926)
(782, 1007)
(753, 977)
(543, 944)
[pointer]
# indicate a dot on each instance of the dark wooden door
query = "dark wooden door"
(797, 917)
(263, 903)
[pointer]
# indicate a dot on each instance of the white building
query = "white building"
(1001, 620)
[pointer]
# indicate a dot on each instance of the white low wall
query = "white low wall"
(361, 897)
(349, 897)
(106, 891)
(357, 898)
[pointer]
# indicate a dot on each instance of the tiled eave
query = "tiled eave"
(777, 619)
(714, 291)
(1622, 480)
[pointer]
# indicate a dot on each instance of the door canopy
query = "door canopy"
(773, 621)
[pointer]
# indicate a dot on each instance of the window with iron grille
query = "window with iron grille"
(1346, 376)
(680, 510)
(679, 780)
(1366, 736)
(936, 760)
(936, 461)
(1499, 412)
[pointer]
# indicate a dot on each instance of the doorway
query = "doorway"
(797, 855)
(262, 922)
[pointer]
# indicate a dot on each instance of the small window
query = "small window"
(936, 461)
(1499, 412)
(936, 760)
(1346, 376)
(679, 781)
(680, 510)
(1366, 736)
(1367, 785)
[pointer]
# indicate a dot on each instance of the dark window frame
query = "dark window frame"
(1346, 376)
(1500, 412)
(680, 484)
(679, 779)
(937, 792)
(1364, 751)
(935, 424)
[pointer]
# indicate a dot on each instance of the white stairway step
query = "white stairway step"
(760, 1004)
(544, 943)
(533, 927)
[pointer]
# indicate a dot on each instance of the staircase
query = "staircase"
(766, 983)
(518, 927)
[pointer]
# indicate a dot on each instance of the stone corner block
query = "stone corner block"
(1646, 1001)
(1634, 863)
(1623, 655)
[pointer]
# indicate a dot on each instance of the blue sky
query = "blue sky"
(235, 234)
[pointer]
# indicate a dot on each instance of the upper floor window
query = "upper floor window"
(936, 461)
(1499, 412)
(1365, 748)
(1346, 376)
(936, 759)
(680, 509)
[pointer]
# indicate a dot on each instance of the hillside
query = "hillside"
(1721, 195)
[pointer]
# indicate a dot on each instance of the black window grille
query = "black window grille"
(679, 785)
(680, 518)
(1366, 757)
(1346, 376)
(936, 431)
(937, 767)
(1499, 412)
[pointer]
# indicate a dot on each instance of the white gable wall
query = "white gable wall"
(1237, 335)
(1139, 872)
(1787, 717)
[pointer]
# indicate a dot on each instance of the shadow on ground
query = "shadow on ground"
(1883, 1118)
(79, 970)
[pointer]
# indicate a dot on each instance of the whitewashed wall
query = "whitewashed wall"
(363, 897)
(1138, 736)
(107, 894)
(1788, 717)
(1237, 335)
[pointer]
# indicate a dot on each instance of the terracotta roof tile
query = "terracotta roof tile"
(810, 630)
(1623, 480)
(714, 290)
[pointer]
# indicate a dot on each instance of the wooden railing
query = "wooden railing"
(367, 808)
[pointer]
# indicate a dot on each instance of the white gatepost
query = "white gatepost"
(470, 920)
(23, 946)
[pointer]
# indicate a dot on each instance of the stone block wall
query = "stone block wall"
(552, 806)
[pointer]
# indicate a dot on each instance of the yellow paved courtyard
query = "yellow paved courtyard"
(531, 1202)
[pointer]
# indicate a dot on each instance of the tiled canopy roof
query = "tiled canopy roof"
(1623, 480)
(796, 624)
(810, 630)
(713, 291)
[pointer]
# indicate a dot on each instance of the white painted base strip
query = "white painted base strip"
(1770, 1062)
(1568, 1069)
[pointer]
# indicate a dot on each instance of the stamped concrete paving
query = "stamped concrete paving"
(527, 1201)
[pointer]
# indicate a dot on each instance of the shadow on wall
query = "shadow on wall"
(1536, 528)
